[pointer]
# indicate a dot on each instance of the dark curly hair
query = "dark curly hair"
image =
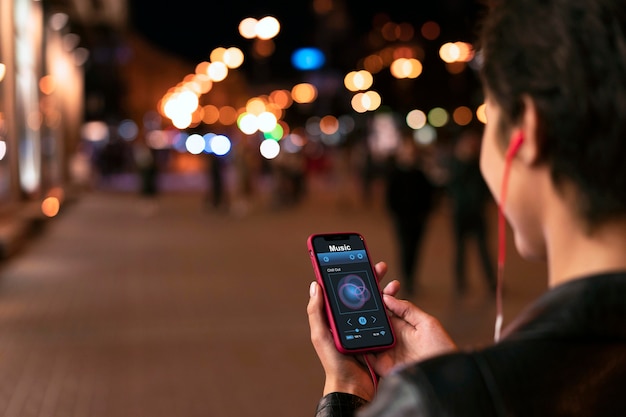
(569, 56)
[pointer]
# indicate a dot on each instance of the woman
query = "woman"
(554, 75)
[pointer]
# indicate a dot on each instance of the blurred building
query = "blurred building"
(43, 56)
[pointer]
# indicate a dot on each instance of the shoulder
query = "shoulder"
(446, 385)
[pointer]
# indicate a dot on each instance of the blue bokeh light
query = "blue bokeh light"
(306, 59)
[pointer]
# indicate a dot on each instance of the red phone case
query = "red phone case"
(320, 281)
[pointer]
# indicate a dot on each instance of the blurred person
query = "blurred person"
(80, 167)
(409, 197)
(216, 195)
(469, 197)
(289, 178)
(555, 142)
(145, 161)
(246, 164)
(112, 159)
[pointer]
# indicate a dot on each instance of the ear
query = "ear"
(530, 151)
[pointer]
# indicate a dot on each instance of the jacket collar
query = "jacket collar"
(593, 306)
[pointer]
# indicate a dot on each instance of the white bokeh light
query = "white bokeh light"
(267, 28)
(267, 121)
(194, 144)
(220, 145)
(248, 123)
(270, 148)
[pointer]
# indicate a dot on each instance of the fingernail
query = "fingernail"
(313, 289)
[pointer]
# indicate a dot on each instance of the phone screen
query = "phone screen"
(352, 292)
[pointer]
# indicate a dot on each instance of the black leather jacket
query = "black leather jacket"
(564, 356)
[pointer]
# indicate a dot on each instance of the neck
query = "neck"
(575, 252)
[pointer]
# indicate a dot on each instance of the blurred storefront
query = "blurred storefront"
(41, 108)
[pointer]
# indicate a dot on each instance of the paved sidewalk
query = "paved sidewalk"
(122, 307)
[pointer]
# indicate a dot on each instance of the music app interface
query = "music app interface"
(353, 293)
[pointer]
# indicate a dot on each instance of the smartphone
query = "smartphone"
(354, 305)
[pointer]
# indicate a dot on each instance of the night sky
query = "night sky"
(192, 29)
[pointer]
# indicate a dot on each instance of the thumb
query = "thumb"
(315, 311)
(405, 310)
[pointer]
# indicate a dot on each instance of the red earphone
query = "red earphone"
(513, 148)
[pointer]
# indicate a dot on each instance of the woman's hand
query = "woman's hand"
(343, 372)
(418, 335)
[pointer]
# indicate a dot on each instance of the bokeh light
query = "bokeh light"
(276, 133)
(269, 148)
(233, 57)
(282, 98)
(346, 124)
(157, 139)
(438, 117)
(451, 52)
(182, 103)
(227, 115)
(312, 126)
(179, 141)
(207, 141)
(416, 119)
(462, 115)
(217, 71)
(306, 59)
(95, 131)
(220, 145)
(329, 125)
(182, 121)
(430, 30)
(128, 129)
(426, 135)
(195, 144)
(203, 68)
(293, 143)
(304, 93)
(373, 63)
(58, 21)
(267, 28)
(255, 105)
(247, 123)
(50, 206)
(47, 84)
(358, 80)
(367, 101)
(266, 121)
(211, 114)
(247, 27)
(481, 114)
(406, 68)
(70, 41)
(217, 54)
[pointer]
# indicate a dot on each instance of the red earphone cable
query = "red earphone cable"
(510, 153)
(372, 373)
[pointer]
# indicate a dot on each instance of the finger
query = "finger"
(381, 270)
(392, 288)
(405, 310)
(317, 317)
